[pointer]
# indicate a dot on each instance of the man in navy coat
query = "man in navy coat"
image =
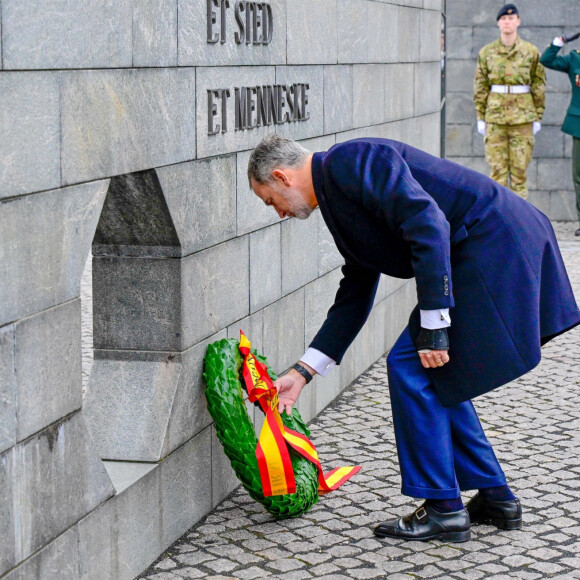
(491, 289)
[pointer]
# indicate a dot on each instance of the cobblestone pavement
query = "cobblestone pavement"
(534, 425)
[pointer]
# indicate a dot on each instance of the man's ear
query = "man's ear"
(281, 176)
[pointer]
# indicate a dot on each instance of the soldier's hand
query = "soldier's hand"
(559, 41)
(536, 127)
(481, 127)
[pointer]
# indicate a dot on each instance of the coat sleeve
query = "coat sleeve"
(481, 87)
(550, 59)
(538, 86)
(351, 308)
(377, 178)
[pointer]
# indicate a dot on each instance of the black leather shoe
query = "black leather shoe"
(505, 515)
(577, 232)
(428, 524)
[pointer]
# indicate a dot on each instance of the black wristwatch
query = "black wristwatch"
(300, 369)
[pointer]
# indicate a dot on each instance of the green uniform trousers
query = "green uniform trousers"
(576, 171)
(508, 151)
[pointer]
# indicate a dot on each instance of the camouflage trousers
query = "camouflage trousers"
(508, 151)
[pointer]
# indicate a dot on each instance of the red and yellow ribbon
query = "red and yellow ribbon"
(272, 451)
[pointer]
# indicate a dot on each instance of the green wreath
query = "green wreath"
(225, 402)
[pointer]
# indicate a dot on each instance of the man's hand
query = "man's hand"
(289, 388)
(433, 359)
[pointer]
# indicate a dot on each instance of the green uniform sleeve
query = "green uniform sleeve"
(538, 86)
(481, 87)
(550, 59)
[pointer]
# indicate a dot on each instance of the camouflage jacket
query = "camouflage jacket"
(498, 64)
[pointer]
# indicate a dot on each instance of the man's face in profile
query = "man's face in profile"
(287, 201)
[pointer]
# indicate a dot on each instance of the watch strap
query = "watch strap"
(301, 370)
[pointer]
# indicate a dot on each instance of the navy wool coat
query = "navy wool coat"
(471, 244)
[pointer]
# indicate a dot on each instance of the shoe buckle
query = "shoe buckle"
(420, 513)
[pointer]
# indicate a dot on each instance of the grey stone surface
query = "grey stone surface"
(556, 106)
(460, 75)
(7, 502)
(352, 26)
(44, 268)
(252, 326)
(265, 267)
(215, 289)
(314, 77)
(284, 331)
(460, 108)
(428, 87)
(430, 47)
(329, 257)
(563, 205)
(154, 33)
(368, 94)
(30, 127)
(186, 484)
(318, 298)
(312, 32)
(408, 19)
(194, 49)
(554, 174)
(458, 139)
(52, 34)
(124, 474)
(223, 477)
(137, 303)
(59, 470)
(460, 12)
(399, 84)
(338, 93)
(47, 356)
(116, 122)
(299, 252)
(383, 35)
(201, 196)
(228, 78)
(7, 389)
(550, 143)
(459, 42)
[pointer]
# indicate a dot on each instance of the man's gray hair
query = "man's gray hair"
(272, 152)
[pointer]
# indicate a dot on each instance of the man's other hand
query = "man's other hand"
(434, 359)
(289, 388)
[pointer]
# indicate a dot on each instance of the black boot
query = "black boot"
(428, 524)
(505, 515)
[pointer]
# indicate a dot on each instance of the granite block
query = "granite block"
(44, 267)
(427, 87)
(30, 128)
(475, 163)
(223, 477)
(47, 356)
(116, 122)
(58, 560)
(318, 298)
(53, 34)
(554, 175)
(424, 133)
(462, 12)
(284, 331)
(139, 525)
(549, 142)
(540, 199)
(329, 257)
(460, 108)
(195, 50)
(430, 36)
(352, 28)
(137, 303)
(368, 94)
(460, 75)
(252, 212)
(201, 194)
(186, 481)
(432, 5)
(477, 142)
(228, 138)
(556, 107)
(568, 144)
(482, 36)
(299, 252)
(399, 86)
(98, 543)
(215, 289)
(318, 144)
(383, 34)
(265, 267)
(7, 516)
(313, 76)
(58, 470)
(154, 33)
(532, 173)
(338, 95)
(459, 42)
(8, 389)
(306, 404)
(551, 14)
(408, 19)
(124, 474)
(312, 32)
(252, 326)
(563, 205)
(458, 140)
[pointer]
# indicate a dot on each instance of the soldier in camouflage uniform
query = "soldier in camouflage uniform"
(509, 100)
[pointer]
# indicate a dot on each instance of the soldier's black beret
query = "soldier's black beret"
(507, 9)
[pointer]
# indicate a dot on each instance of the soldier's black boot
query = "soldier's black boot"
(505, 515)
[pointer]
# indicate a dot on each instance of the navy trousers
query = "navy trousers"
(442, 450)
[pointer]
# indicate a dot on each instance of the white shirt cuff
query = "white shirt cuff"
(321, 363)
(434, 319)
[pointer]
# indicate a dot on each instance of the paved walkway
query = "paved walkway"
(534, 425)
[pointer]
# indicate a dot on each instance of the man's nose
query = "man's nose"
(281, 213)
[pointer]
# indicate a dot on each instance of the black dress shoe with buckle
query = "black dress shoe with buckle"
(428, 524)
(505, 515)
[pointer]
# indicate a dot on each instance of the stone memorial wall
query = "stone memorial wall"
(126, 130)
(471, 25)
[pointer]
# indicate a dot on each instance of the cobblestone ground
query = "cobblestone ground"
(534, 425)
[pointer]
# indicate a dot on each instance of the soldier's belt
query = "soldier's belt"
(510, 89)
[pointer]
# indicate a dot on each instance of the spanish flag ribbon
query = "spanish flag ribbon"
(272, 452)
